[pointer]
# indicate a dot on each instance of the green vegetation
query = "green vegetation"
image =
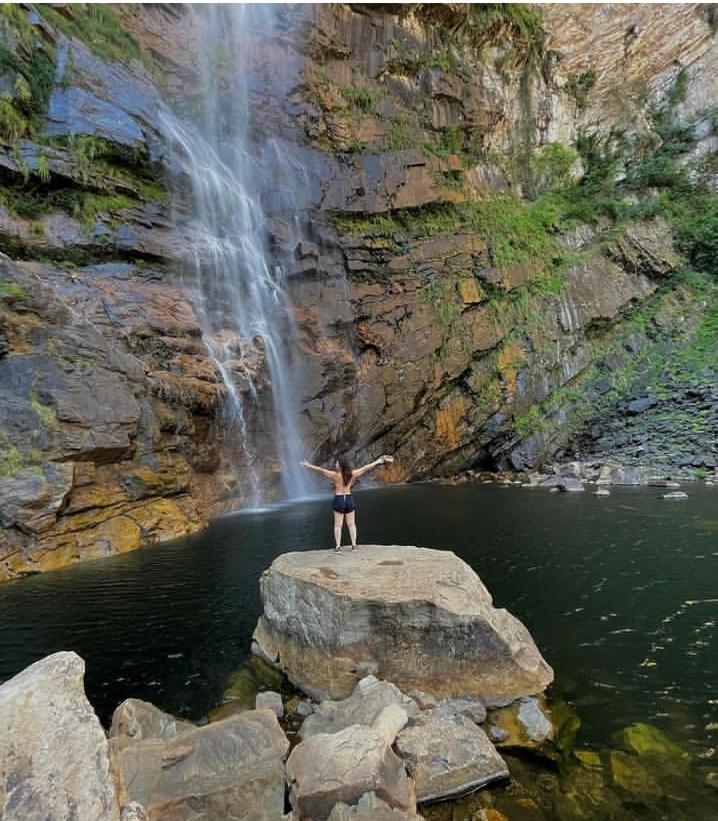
(516, 25)
(98, 26)
(579, 86)
(11, 461)
(30, 67)
(87, 207)
(360, 99)
(551, 167)
(12, 291)
(440, 293)
(513, 230)
(45, 412)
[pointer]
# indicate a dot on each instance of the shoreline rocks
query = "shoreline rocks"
(369, 756)
(419, 618)
(54, 756)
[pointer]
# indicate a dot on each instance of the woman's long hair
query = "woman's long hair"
(345, 470)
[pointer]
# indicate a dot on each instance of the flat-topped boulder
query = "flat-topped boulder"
(419, 618)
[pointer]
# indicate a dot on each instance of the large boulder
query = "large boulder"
(448, 754)
(54, 759)
(420, 618)
(231, 769)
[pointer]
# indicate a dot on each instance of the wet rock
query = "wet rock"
(327, 769)
(471, 708)
(432, 609)
(602, 491)
(645, 739)
(32, 499)
(448, 755)
(269, 700)
(54, 760)
(136, 720)
(568, 484)
(304, 708)
(640, 405)
(524, 724)
(498, 734)
(363, 707)
(228, 769)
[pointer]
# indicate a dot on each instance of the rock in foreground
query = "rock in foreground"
(448, 755)
(231, 769)
(54, 761)
(417, 617)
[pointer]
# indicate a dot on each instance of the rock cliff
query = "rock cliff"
(493, 254)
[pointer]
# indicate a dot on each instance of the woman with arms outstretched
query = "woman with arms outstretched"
(343, 506)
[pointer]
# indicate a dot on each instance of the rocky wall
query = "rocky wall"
(440, 318)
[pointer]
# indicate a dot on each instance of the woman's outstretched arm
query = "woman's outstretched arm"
(327, 474)
(375, 464)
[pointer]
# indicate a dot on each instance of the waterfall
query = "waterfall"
(229, 153)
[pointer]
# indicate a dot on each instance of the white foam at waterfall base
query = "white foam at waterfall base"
(232, 164)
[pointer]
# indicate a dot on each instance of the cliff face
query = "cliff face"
(463, 316)
(450, 310)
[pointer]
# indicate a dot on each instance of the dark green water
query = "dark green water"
(620, 594)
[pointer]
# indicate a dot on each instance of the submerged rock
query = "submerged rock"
(448, 754)
(54, 758)
(417, 617)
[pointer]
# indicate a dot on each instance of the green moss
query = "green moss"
(440, 293)
(11, 461)
(45, 412)
(12, 291)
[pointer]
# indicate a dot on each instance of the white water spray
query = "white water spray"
(233, 166)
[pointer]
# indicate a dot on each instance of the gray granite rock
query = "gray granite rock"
(447, 755)
(54, 758)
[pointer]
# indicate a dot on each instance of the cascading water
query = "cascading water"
(235, 169)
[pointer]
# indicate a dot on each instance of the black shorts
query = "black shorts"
(343, 504)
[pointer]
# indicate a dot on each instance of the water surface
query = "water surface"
(620, 594)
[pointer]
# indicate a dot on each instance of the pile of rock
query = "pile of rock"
(574, 476)
(367, 748)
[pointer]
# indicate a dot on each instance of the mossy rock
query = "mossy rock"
(242, 688)
(632, 774)
(647, 740)
(552, 735)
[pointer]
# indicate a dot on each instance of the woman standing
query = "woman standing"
(343, 506)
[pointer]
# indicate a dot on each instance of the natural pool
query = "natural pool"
(620, 594)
